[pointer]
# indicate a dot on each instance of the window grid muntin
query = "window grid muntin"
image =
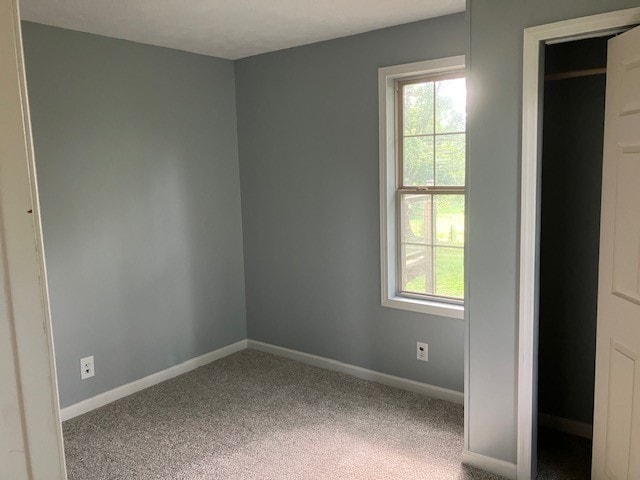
(434, 244)
(402, 189)
(400, 136)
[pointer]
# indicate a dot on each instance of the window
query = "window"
(422, 146)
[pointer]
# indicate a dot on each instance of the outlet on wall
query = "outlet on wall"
(86, 368)
(422, 351)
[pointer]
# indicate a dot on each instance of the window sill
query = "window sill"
(441, 309)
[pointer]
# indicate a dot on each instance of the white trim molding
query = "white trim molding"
(489, 464)
(359, 372)
(534, 39)
(148, 381)
(137, 385)
(566, 425)
(31, 444)
(387, 77)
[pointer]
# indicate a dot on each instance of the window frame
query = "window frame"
(391, 183)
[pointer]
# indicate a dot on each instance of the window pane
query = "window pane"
(417, 108)
(449, 213)
(417, 271)
(418, 161)
(450, 105)
(450, 153)
(449, 272)
(431, 224)
(416, 221)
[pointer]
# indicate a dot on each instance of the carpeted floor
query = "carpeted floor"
(562, 456)
(257, 416)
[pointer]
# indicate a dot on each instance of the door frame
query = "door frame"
(30, 415)
(533, 61)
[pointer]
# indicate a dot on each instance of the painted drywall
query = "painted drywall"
(573, 132)
(136, 151)
(308, 135)
(495, 84)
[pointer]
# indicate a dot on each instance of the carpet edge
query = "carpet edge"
(426, 389)
(122, 391)
(490, 464)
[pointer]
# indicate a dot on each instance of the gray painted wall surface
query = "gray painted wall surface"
(136, 150)
(495, 82)
(308, 135)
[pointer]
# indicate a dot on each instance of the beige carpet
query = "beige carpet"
(257, 416)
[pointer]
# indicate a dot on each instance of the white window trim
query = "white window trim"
(387, 77)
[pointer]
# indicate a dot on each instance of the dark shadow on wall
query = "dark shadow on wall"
(570, 228)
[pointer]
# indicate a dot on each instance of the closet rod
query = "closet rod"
(575, 74)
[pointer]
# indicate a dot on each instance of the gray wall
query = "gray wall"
(136, 151)
(573, 133)
(495, 81)
(308, 135)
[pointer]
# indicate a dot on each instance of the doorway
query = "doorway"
(535, 39)
(572, 147)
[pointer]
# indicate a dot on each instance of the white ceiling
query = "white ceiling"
(231, 28)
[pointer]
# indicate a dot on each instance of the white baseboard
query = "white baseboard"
(322, 362)
(119, 392)
(489, 464)
(365, 374)
(566, 425)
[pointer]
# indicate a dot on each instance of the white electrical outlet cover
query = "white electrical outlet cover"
(87, 369)
(422, 351)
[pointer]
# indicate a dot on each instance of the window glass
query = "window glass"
(431, 193)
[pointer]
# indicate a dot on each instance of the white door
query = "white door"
(30, 434)
(616, 435)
